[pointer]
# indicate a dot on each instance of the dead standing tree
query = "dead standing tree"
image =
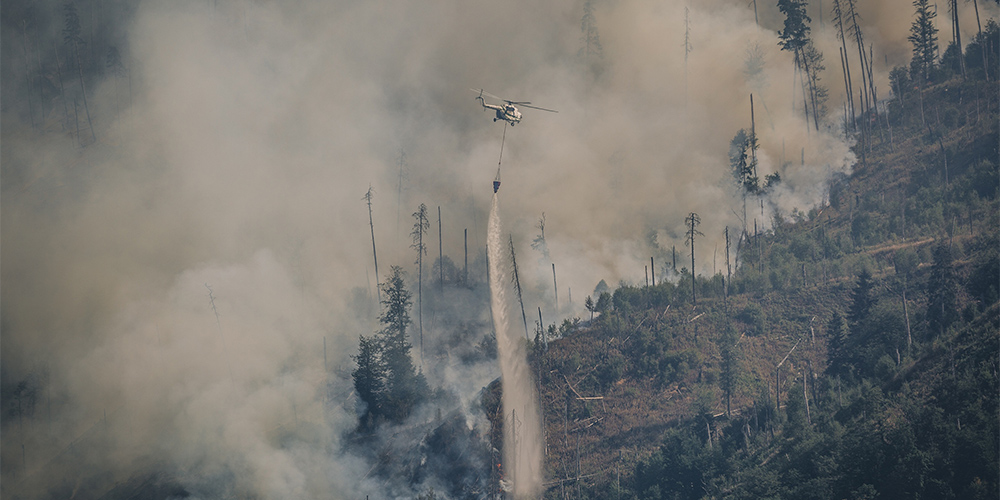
(692, 221)
(956, 33)
(517, 287)
(420, 226)
(838, 13)
(113, 60)
(72, 37)
(371, 223)
(402, 177)
(687, 49)
(869, 96)
(440, 254)
(729, 271)
(539, 242)
(777, 376)
(795, 39)
(218, 324)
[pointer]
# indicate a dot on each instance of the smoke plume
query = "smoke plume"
(234, 143)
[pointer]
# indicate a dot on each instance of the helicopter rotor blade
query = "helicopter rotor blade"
(536, 107)
(487, 94)
(526, 104)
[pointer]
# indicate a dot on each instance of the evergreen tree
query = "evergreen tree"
(795, 39)
(923, 36)
(941, 291)
(862, 299)
(983, 284)
(795, 34)
(385, 379)
(591, 39)
(603, 304)
(396, 302)
(837, 351)
(602, 286)
(681, 468)
(729, 368)
(369, 381)
(744, 171)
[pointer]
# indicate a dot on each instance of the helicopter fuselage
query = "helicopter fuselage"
(505, 112)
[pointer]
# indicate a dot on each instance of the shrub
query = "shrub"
(753, 316)
(611, 370)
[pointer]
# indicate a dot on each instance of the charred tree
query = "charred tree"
(555, 286)
(420, 227)
(371, 224)
(692, 221)
(517, 286)
(440, 253)
(74, 40)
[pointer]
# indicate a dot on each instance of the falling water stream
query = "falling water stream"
(522, 446)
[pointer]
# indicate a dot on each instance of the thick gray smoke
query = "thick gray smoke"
(233, 147)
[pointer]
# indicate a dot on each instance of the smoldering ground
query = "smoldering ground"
(233, 145)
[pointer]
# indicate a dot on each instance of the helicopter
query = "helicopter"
(507, 111)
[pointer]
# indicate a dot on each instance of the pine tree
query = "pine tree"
(795, 39)
(742, 166)
(795, 34)
(941, 291)
(369, 382)
(862, 299)
(836, 330)
(923, 36)
(395, 317)
(404, 388)
(729, 369)
(591, 39)
(603, 304)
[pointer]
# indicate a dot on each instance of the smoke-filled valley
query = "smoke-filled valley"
(213, 213)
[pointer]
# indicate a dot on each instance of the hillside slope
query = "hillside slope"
(878, 396)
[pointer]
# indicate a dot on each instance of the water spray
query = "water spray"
(522, 455)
